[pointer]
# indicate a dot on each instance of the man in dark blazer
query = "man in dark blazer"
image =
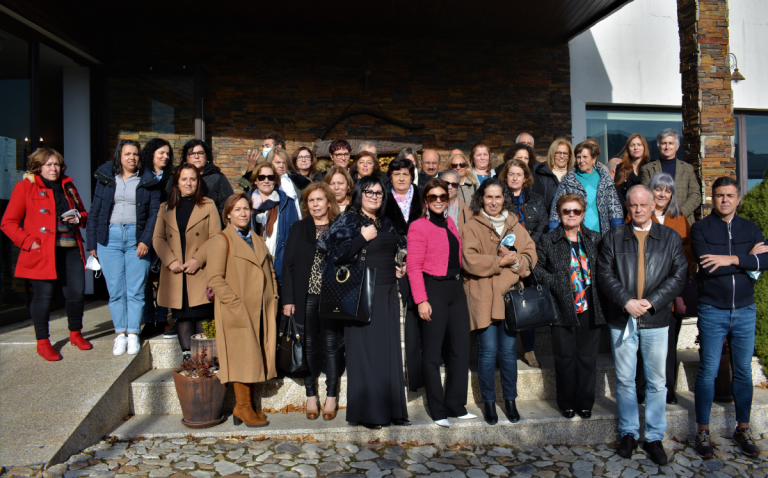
(688, 188)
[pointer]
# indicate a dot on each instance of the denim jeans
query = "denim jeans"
(126, 276)
(653, 347)
(494, 341)
(738, 325)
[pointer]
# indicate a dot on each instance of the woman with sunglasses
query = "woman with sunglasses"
(567, 259)
(402, 208)
(467, 181)
(434, 271)
(491, 270)
(273, 213)
(457, 209)
(280, 160)
(215, 185)
(375, 386)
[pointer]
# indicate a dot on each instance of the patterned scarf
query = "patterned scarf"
(580, 276)
(404, 203)
(519, 201)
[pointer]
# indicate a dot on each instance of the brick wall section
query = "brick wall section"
(462, 89)
(707, 95)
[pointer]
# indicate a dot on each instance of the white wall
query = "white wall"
(77, 137)
(633, 58)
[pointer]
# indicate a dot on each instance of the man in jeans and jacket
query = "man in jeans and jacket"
(730, 251)
(641, 269)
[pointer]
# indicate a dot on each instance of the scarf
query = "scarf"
(453, 211)
(519, 201)
(267, 208)
(580, 275)
(404, 203)
(498, 222)
(65, 232)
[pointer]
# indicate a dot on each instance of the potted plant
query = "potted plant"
(206, 340)
(200, 392)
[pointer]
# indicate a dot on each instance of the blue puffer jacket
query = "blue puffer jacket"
(608, 205)
(147, 205)
(287, 215)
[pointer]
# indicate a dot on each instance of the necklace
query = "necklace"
(376, 222)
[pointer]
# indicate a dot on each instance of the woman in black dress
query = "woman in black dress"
(375, 387)
(185, 224)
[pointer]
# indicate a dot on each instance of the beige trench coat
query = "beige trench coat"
(245, 307)
(485, 283)
(204, 223)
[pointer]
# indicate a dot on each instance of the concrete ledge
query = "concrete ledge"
(541, 424)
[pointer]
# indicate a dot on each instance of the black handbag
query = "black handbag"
(290, 350)
(528, 307)
(346, 292)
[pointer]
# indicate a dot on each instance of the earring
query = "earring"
(445, 213)
(427, 213)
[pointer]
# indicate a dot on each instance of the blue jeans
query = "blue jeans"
(738, 325)
(653, 347)
(126, 276)
(494, 341)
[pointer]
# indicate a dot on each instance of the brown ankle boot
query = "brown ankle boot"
(243, 412)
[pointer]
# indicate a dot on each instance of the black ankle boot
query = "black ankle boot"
(489, 410)
(512, 413)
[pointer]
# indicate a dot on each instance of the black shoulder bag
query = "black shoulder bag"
(528, 307)
(290, 350)
(346, 292)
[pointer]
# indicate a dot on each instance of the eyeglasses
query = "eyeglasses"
(561, 154)
(198, 154)
(458, 165)
(569, 212)
(435, 197)
(373, 194)
(266, 177)
(303, 157)
(340, 155)
(452, 185)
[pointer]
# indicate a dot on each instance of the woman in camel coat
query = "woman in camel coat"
(185, 225)
(490, 270)
(245, 307)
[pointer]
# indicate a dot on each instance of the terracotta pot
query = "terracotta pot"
(201, 400)
(199, 343)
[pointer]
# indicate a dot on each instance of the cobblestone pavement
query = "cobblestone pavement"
(307, 458)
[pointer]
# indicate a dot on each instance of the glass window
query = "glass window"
(757, 148)
(612, 128)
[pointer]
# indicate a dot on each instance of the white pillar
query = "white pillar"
(77, 137)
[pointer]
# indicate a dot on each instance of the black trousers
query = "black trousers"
(413, 337)
(71, 278)
(674, 333)
(450, 316)
(322, 343)
(575, 351)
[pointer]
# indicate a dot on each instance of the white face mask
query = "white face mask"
(266, 152)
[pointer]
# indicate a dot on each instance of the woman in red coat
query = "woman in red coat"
(44, 218)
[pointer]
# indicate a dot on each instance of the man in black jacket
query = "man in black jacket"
(641, 269)
(730, 251)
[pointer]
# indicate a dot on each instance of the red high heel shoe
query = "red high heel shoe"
(46, 350)
(76, 338)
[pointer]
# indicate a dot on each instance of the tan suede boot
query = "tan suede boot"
(243, 412)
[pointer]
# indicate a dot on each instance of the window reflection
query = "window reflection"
(757, 148)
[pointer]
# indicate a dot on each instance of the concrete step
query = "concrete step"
(166, 353)
(541, 424)
(155, 393)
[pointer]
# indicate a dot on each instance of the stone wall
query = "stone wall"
(462, 89)
(707, 94)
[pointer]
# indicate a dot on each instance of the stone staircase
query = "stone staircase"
(157, 410)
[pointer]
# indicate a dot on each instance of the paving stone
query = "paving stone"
(498, 451)
(208, 441)
(69, 474)
(713, 464)
(306, 471)
(377, 473)
(679, 470)
(421, 469)
(545, 474)
(399, 473)
(236, 454)
(428, 451)
(366, 454)
(161, 472)
(630, 473)
(499, 470)
(184, 465)
(583, 465)
(439, 466)
(387, 464)
(365, 465)
(287, 474)
(524, 469)
(416, 456)
(650, 470)
(227, 468)
(582, 474)
(329, 467)
(202, 474)
(475, 473)
(352, 448)
(271, 468)
(208, 460)
(287, 448)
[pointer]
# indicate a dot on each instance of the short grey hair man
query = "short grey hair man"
(668, 132)
(367, 146)
(525, 138)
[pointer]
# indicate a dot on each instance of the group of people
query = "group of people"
(614, 246)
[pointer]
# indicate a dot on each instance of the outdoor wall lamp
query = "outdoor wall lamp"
(735, 76)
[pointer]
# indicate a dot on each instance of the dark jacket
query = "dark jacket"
(531, 167)
(147, 205)
(215, 186)
(535, 213)
(727, 287)
(665, 272)
(554, 270)
(297, 266)
(545, 183)
(396, 216)
(423, 178)
(344, 240)
(318, 177)
(622, 189)
(287, 214)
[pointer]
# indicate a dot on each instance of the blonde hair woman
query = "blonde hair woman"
(468, 182)
(547, 176)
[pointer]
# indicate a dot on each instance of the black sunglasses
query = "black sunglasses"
(263, 177)
(452, 185)
(434, 197)
(567, 212)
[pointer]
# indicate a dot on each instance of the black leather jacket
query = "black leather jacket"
(665, 274)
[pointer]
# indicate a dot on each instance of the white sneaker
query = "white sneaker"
(468, 416)
(134, 346)
(443, 423)
(120, 343)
